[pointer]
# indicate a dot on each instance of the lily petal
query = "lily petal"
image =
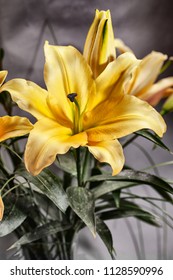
(148, 71)
(108, 80)
(110, 152)
(159, 90)
(66, 72)
(13, 127)
(120, 45)
(120, 119)
(3, 75)
(46, 140)
(1, 208)
(29, 97)
(99, 47)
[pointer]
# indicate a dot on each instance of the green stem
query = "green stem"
(65, 255)
(13, 188)
(134, 240)
(85, 165)
(6, 183)
(78, 167)
(64, 246)
(11, 150)
(165, 233)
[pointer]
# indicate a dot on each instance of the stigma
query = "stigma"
(72, 96)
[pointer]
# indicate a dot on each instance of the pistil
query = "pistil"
(76, 111)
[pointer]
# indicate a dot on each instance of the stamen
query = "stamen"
(72, 96)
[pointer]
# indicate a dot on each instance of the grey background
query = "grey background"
(144, 26)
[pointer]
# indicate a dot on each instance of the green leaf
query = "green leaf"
(152, 137)
(40, 232)
(106, 236)
(82, 203)
(138, 177)
(110, 186)
(124, 212)
(49, 185)
(67, 163)
(12, 219)
(164, 215)
(116, 195)
(106, 210)
(140, 213)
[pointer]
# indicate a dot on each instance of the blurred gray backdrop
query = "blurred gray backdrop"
(144, 26)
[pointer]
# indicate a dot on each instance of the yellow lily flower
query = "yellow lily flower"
(121, 46)
(99, 47)
(99, 51)
(145, 73)
(12, 126)
(77, 110)
(1, 208)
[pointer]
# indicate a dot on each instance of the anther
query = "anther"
(72, 96)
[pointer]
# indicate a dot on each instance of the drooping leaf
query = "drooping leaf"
(141, 214)
(124, 212)
(116, 195)
(164, 215)
(106, 236)
(152, 137)
(138, 177)
(12, 219)
(40, 232)
(82, 203)
(49, 185)
(110, 186)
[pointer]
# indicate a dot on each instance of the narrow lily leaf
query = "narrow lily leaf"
(40, 232)
(152, 137)
(141, 214)
(116, 195)
(125, 212)
(12, 219)
(49, 185)
(109, 187)
(82, 203)
(164, 214)
(106, 236)
(129, 175)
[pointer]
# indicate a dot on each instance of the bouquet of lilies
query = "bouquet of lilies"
(63, 169)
